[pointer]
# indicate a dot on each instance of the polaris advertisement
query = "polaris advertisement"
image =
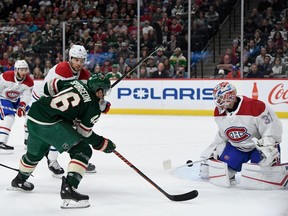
(189, 97)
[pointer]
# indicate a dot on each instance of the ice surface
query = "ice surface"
(117, 190)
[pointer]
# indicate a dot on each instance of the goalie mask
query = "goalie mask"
(224, 94)
(21, 69)
(96, 83)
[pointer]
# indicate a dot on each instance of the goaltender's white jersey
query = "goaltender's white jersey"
(252, 118)
(62, 71)
(12, 90)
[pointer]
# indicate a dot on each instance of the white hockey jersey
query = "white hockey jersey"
(252, 118)
(12, 90)
(62, 71)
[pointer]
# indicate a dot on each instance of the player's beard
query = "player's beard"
(75, 68)
(20, 77)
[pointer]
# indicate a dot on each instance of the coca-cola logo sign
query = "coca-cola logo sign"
(278, 95)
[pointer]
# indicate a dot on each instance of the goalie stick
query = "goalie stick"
(181, 197)
(168, 165)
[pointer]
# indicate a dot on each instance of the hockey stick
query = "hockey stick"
(17, 170)
(168, 165)
(164, 44)
(181, 197)
(159, 40)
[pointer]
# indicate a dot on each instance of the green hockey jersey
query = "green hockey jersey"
(70, 101)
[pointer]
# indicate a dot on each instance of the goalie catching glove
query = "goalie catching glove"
(107, 146)
(21, 110)
(268, 149)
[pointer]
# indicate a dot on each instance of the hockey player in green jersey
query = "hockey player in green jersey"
(64, 119)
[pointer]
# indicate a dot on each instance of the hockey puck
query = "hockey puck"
(189, 163)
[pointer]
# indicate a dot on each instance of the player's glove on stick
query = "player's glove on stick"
(107, 146)
(104, 106)
(21, 110)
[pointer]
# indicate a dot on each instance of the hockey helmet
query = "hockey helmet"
(224, 94)
(20, 75)
(77, 51)
(96, 82)
(21, 64)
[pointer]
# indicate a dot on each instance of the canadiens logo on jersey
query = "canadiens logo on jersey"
(237, 134)
(12, 94)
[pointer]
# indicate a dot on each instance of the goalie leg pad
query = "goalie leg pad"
(204, 170)
(254, 176)
(218, 173)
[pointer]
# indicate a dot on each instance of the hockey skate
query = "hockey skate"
(91, 168)
(6, 149)
(71, 198)
(19, 184)
(55, 168)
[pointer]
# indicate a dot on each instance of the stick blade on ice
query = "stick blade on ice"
(167, 164)
(184, 197)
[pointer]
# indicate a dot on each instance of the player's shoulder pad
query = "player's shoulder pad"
(28, 81)
(251, 107)
(63, 69)
(216, 112)
(8, 76)
(84, 74)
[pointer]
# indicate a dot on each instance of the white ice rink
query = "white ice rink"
(117, 190)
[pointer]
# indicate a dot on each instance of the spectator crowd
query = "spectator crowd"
(265, 44)
(33, 30)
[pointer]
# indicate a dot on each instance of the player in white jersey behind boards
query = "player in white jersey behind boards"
(68, 70)
(248, 131)
(15, 94)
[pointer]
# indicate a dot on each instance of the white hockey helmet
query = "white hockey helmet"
(77, 51)
(21, 64)
(224, 94)
(19, 75)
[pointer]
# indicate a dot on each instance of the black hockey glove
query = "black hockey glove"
(107, 146)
